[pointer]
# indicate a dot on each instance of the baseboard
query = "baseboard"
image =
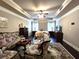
(73, 46)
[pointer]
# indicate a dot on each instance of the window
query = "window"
(51, 25)
(34, 25)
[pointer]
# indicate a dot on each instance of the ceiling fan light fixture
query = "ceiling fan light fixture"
(41, 15)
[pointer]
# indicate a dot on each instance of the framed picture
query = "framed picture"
(3, 24)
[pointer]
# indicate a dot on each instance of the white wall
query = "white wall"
(71, 32)
(13, 22)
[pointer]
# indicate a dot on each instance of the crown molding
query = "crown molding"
(12, 13)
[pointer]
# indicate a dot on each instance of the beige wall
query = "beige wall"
(13, 22)
(42, 24)
(71, 32)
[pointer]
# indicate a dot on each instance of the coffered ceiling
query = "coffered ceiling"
(33, 7)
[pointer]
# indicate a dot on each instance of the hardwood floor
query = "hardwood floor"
(71, 50)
